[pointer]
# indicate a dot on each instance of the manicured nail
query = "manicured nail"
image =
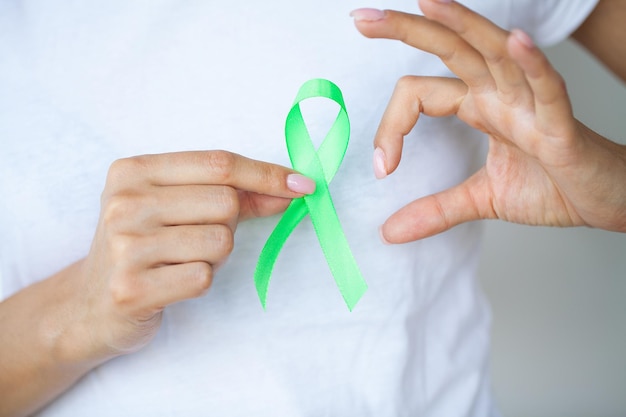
(367, 15)
(444, 1)
(300, 184)
(382, 237)
(380, 162)
(523, 38)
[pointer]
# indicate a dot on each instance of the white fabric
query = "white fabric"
(549, 21)
(85, 83)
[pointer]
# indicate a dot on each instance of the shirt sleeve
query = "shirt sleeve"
(550, 21)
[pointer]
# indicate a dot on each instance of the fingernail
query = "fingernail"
(368, 15)
(380, 170)
(382, 237)
(300, 184)
(523, 38)
(444, 1)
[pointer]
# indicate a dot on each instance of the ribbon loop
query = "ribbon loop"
(320, 165)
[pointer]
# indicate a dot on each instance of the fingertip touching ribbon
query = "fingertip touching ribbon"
(320, 165)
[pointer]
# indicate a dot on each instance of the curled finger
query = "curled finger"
(553, 107)
(156, 288)
(412, 96)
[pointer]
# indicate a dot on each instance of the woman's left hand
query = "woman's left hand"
(543, 167)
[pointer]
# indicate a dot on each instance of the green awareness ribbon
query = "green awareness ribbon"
(321, 166)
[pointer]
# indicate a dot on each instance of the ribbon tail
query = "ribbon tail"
(292, 216)
(335, 247)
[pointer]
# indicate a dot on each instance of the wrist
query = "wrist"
(66, 328)
(604, 180)
(44, 348)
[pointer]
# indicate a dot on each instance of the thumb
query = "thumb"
(439, 212)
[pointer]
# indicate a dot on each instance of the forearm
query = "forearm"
(45, 347)
(604, 35)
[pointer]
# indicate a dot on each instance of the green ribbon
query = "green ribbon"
(321, 166)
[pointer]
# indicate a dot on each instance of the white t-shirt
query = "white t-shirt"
(85, 83)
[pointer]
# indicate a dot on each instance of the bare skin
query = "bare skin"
(543, 167)
(166, 223)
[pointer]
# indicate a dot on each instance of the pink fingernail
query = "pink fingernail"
(380, 162)
(300, 184)
(367, 15)
(444, 1)
(382, 237)
(523, 38)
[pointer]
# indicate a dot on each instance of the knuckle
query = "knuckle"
(273, 177)
(123, 291)
(202, 276)
(407, 94)
(449, 52)
(123, 169)
(404, 82)
(221, 164)
(124, 174)
(452, 49)
(122, 247)
(229, 202)
(224, 239)
(117, 170)
(125, 207)
(116, 208)
(495, 56)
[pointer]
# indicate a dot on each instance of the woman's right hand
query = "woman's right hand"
(167, 223)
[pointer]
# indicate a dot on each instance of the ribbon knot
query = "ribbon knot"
(320, 165)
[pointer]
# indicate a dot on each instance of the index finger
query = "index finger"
(435, 97)
(429, 36)
(212, 168)
(484, 36)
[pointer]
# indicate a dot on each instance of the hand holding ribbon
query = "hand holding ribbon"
(320, 165)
